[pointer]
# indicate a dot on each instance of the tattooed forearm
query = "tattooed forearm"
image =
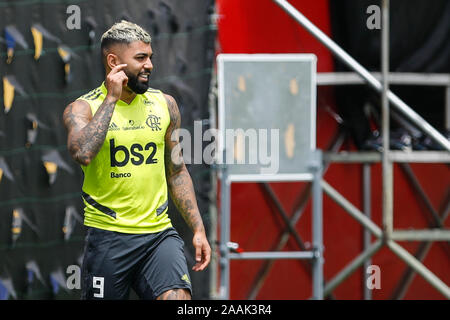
(183, 196)
(178, 178)
(85, 143)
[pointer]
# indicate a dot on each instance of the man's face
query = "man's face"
(137, 55)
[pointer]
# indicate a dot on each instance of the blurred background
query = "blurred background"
(50, 55)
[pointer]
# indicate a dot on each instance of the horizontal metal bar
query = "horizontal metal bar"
(421, 235)
(352, 157)
(420, 156)
(398, 78)
(271, 178)
(394, 156)
(268, 255)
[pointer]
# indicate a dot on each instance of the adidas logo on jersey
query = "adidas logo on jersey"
(113, 127)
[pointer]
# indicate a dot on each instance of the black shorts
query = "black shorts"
(149, 263)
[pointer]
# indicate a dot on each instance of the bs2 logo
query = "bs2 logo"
(136, 152)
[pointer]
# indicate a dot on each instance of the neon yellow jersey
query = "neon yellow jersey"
(124, 186)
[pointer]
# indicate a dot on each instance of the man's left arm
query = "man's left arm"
(181, 188)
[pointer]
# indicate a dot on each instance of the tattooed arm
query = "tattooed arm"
(86, 133)
(181, 188)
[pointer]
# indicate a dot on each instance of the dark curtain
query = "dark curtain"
(41, 211)
(419, 33)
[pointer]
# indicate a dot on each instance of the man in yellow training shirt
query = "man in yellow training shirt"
(124, 136)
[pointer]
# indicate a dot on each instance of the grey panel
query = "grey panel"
(270, 96)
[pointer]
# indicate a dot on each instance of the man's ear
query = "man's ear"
(112, 60)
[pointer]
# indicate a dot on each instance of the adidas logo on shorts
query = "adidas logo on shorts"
(186, 278)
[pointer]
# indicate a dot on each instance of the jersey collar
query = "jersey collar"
(119, 102)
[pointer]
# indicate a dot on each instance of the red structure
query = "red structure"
(255, 26)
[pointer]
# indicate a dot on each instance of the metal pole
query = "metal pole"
(317, 228)
(421, 235)
(225, 191)
(352, 63)
(367, 293)
(447, 108)
(212, 194)
(387, 165)
(270, 255)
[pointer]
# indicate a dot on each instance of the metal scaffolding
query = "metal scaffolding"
(306, 165)
(364, 73)
(315, 255)
(386, 235)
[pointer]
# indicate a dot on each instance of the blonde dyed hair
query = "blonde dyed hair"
(125, 32)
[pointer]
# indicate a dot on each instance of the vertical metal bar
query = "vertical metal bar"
(353, 64)
(212, 194)
(386, 163)
(225, 219)
(317, 228)
(447, 108)
(367, 206)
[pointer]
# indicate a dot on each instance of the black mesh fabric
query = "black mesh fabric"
(41, 231)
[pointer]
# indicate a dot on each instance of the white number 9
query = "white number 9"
(98, 283)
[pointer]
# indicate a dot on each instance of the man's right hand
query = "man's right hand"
(115, 81)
